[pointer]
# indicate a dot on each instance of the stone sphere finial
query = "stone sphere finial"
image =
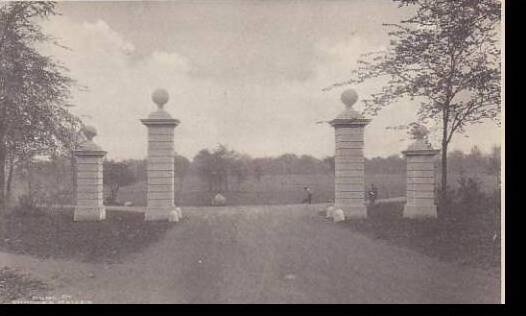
(349, 97)
(160, 97)
(89, 131)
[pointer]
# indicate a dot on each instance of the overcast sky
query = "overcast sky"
(247, 74)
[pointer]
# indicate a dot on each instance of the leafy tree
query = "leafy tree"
(215, 166)
(456, 161)
(257, 168)
(34, 91)
(493, 164)
(329, 164)
(116, 174)
(446, 56)
(240, 167)
(182, 164)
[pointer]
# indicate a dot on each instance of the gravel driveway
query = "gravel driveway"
(278, 254)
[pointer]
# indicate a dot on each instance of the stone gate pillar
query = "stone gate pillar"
(420, 182)
(349, 160)
(89, 186)
(160, 165)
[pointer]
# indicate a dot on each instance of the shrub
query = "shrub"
(471, 203)
(27, 206)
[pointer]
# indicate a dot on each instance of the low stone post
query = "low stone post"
(420, 181)
(349, 159)
(89, 186)
(160, 165)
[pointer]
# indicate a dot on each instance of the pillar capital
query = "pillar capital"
(89, 147)
(161, 122)
(349, 117)
(160, 117)
(420, 148)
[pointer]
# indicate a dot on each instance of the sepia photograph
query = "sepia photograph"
(252, 152)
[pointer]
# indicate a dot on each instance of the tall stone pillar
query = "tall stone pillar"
(349, 160)
(89, 186)
(160, 166)
(420, 194)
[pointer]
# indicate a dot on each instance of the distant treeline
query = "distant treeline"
(223, 161)
(222, 169)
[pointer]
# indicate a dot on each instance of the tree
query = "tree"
(215, 166)
(476, 160)
(240, 167)
(329, 164)
(257, 168)
(116, 174)
(34, 91)
(445, 56)
(181, 166)
(493, 164)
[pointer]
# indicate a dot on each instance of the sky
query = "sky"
(247, 74)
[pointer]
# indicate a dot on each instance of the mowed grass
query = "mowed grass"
(56, 235)
(473, 241)
(279, 189)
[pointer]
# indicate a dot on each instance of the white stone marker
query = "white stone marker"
(179, 212)
(349, 161)
(338, 216)
(89, 186)
(330, 211)
(420, 193)
(173, 216)
(160, 166)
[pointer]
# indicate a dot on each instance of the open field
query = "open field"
(263, 254)
(280, 189)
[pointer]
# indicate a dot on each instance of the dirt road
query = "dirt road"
(285, 254)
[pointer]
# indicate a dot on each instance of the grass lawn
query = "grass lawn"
(18, 286)
(56, 235)
(468, 242)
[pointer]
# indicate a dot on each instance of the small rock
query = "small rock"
(179, 212)
(338, 216)
(128, 203)
(330, 211)
(219, 200)
(290, 277)
(173, 216)
(91, 275)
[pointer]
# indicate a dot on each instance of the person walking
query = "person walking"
(308, 199)
(373, 194)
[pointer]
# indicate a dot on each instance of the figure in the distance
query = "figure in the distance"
(372, 194)
(308, 199)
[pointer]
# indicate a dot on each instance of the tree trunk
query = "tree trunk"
(442, 210)
(443, 207)
(114, 191)
(30, 180)
(2, 175)
(8, 185)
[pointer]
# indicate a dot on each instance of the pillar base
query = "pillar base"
(89, 213)
(415, 211)
(158, 213)
(354, 211)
